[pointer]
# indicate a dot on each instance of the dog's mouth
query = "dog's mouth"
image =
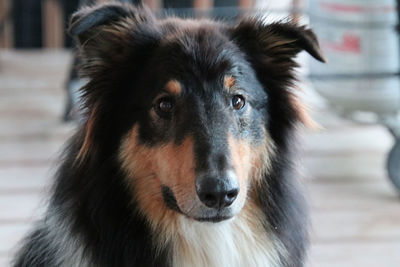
(169, 199)
(171, 202)
(214, 219)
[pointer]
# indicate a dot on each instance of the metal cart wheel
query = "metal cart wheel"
(393, 164)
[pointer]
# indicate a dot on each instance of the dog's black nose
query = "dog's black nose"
(216, 192)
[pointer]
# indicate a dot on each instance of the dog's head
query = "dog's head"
(193, 110)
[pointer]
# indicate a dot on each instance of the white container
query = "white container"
(359, 39)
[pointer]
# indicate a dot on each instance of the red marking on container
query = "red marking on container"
(336, 7)
(349, 43)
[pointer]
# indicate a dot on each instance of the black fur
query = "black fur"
(127, 63)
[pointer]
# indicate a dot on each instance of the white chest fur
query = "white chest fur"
(234, 243)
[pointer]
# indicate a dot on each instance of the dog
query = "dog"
(186, 155)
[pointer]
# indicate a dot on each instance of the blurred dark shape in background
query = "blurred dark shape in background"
(28, 17)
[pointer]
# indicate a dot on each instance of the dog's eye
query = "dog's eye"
(238, 102)
(164, 106)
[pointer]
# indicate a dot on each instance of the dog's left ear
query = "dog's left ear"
(271, 49)
(279, 41)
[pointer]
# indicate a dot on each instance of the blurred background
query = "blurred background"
(351, 166)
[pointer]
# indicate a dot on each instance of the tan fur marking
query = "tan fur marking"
(229, 82)
(87, 142)
(261, 159)
(150, 167)
(302, 113)
(241, 158)
(173, 87)
(251, 162)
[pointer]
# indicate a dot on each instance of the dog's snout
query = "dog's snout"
(217, 192)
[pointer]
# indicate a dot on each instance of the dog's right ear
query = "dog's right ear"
(89, 18)
(108, 33)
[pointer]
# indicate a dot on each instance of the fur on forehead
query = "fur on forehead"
(199, 47)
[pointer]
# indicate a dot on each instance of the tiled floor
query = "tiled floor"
(355, 212)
